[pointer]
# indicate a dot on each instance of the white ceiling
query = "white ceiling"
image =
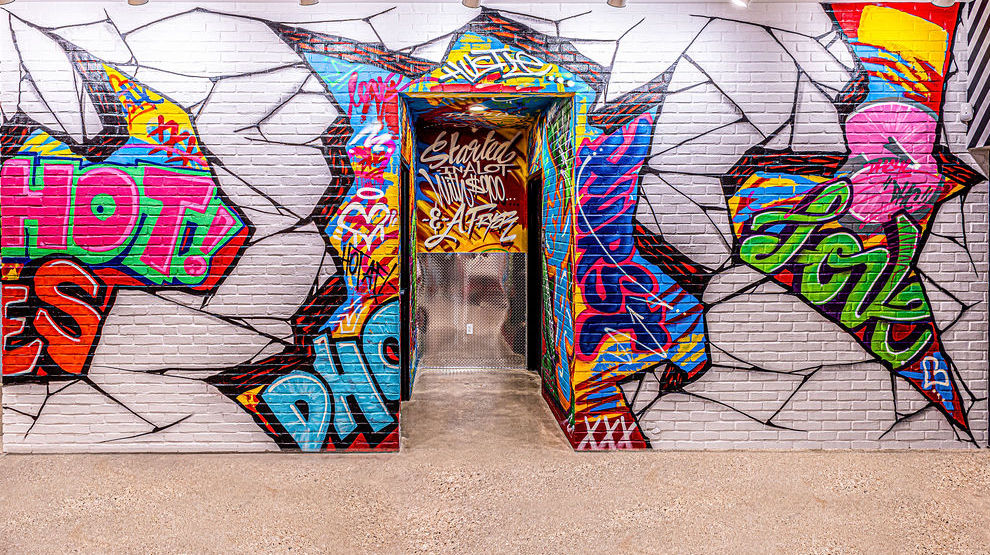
(484, 2)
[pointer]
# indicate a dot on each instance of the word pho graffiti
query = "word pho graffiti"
(342, 394)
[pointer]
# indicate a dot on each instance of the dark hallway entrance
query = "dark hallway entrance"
(472, 245)
(471, 310)
(480, 175)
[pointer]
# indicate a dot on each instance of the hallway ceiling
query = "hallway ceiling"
(484, 112)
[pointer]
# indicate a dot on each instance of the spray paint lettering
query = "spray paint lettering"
(497, 63)
(376, 95)
(363, 370)
(616, 309)
(52, 318)
(471, 191)
(845, 240)
(160, 226)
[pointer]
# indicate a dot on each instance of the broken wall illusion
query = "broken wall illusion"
(760, 227)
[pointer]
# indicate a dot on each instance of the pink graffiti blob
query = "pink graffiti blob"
(893, 141)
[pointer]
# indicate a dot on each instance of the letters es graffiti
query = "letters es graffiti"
(52, 316)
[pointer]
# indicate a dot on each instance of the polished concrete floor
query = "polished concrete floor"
(479, 410)
(484, 469)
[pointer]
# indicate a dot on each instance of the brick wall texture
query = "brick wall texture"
(760, 227)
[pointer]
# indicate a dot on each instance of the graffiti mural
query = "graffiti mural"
(628, 309)
(846, 235)
(47, 332)
(471, 190)
(553, 157)
(757, 221)
(135, 206)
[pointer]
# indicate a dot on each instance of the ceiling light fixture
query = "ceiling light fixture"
(308, 2)
(741, 3)
(617, 3)
(137, 2)
(471, 3)
(477, 107)
(944, 3)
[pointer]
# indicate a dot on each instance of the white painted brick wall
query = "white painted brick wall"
(148, 377)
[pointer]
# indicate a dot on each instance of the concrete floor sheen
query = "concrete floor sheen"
(484, 468)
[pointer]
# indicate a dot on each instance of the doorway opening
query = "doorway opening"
(473, 239)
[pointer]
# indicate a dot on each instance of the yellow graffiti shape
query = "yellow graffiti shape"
(43, 144)
(908, 35)
(153, 119)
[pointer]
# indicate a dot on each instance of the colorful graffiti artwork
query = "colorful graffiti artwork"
(328, 390)
(149, 212)
(471, 190)
(348, 379)
(843, 236)
(137, 207)
(627, 309)
(266, 203)
(553, 157)
(49, 332)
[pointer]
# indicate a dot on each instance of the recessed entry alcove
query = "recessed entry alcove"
(477, 173)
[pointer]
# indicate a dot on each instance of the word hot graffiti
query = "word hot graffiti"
(471, 192)
(148, 224)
